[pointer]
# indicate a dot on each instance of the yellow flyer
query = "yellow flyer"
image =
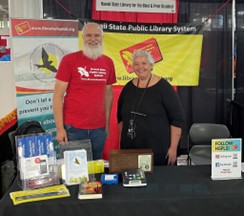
(52, 192)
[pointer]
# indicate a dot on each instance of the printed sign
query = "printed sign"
(226, 159)
(149, 45)
(155, 6)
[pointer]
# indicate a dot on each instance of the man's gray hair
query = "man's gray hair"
(138, 53)
(93, 23)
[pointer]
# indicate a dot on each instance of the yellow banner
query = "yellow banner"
(177, 56)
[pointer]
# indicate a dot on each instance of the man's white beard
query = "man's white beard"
(93, 53)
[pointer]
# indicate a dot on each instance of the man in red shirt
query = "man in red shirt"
(83, 94)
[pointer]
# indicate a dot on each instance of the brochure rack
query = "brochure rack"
(36, 160)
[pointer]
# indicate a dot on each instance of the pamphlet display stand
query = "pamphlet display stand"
(36, 160)
(76, 160)
(75, 145)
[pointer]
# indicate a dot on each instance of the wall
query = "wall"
(7, 88)
(25, 9)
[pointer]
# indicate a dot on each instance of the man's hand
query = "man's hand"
(62, 137)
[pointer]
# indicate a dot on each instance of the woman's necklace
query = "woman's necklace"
(139, 103)
(132, 125)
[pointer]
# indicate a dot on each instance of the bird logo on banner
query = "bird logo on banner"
(46, 63)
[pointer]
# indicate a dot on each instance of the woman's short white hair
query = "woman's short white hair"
(138, 53)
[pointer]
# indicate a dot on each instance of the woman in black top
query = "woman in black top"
(150, 114)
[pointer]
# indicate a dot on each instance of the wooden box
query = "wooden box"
(125, 159)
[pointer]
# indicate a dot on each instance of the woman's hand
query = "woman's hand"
(172, 156)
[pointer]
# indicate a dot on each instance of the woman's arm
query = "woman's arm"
(175, 134)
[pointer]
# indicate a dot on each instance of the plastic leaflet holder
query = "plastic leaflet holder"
(36, 160)
(75, 145)
(94, 166)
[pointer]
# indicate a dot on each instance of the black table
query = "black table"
(175, 190)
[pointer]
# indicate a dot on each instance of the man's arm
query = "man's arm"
(58, 96)
(108, 100)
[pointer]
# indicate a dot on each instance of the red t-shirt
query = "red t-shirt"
(84, 98)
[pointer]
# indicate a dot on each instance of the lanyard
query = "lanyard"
(139, 103)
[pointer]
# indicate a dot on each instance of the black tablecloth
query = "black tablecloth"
(171, 190)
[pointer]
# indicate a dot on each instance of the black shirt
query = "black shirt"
(160, 108)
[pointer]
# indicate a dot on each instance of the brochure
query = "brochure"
(75, 162)
(52, 192)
